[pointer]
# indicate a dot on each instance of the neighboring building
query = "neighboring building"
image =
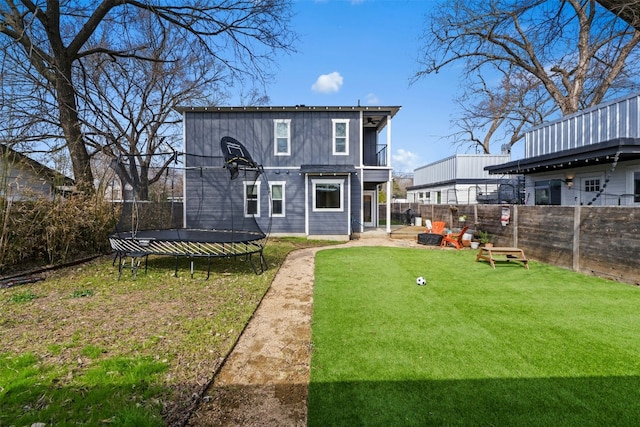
(588, 158)
(22, 177)
(324, 165)
(462, 179)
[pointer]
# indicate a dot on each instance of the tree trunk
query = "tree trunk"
(70, 123)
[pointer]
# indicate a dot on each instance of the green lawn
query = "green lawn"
(475, 346)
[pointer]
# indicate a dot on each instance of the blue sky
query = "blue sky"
(366, 51)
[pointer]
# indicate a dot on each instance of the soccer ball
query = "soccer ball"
(421, 281)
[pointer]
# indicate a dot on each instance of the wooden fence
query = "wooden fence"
(604, 241)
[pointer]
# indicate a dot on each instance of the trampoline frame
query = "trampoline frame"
(188, 243)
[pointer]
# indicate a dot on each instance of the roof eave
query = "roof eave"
(605, 152)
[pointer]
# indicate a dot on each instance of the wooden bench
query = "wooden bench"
(505, 254)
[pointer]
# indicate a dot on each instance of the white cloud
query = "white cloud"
(328, 83)
(372, 99)
(404, 161)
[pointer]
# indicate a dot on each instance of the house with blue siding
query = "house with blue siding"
(323, 166)
(591, 157)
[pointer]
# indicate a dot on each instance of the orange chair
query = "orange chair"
(437, 227)
(454, 239)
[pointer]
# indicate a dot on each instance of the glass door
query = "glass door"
(368, 200)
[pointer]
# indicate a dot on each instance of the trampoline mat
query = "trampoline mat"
(192, 235)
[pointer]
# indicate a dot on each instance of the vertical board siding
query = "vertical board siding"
(605, 122)
(460, 166)
(311, 143)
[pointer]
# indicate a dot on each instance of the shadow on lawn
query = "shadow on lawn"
(589, 401)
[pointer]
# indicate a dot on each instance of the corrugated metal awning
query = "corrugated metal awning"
(604, 152)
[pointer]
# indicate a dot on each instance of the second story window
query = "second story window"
(282, 140)
(340, 137)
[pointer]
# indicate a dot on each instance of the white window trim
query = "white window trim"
(283, 184)
(275, 137)
(333, 132)
(315, 182)
(246, 202)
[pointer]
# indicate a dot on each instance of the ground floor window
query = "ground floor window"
(328, 195)
(548, 192)
(592, 185)
(636, 187)
(277, 199)
(252, 199)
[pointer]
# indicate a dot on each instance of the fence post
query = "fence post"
(514, 222)
(576, 237)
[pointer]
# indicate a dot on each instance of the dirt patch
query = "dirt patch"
(264, 381)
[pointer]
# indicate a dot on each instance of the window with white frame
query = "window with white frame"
(328, 195)
(251, 199)
(282, 140)
(636, 187)
(592, 185)
(277, 199)
(340, 137)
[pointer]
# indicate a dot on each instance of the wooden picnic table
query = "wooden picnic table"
(503, 254)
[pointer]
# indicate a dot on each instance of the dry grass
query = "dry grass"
(80, 316)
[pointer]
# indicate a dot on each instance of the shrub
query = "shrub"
(39, 230)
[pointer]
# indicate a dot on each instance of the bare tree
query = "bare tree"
(501, 111)
(132, 104)
(55, 37)
(577, 51)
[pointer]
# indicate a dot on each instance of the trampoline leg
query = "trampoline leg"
(120, 265)
(136, 260)
(263, 261)
(255, 271)
(191, 263)
(135, 263)
(175, 274)
(208, 267)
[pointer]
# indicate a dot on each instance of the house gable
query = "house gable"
(23, 176)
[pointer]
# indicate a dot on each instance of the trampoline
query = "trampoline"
(190, 244)
(217, 224)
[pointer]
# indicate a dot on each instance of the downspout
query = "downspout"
(389, 178)
(361, 177)
(306, 205)
(349, 226)
(184, 172)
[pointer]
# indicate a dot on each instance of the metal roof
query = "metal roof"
(392, 110)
